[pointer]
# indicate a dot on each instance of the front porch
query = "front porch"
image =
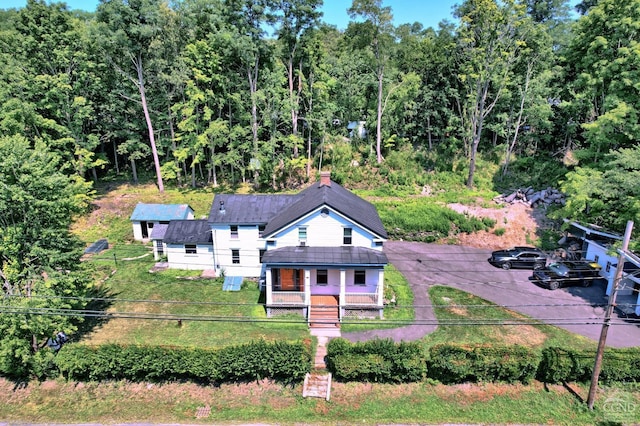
(297, 290)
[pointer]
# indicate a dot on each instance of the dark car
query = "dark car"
(564, 274)
(519, 257)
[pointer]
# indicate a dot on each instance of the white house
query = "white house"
(319, 252)
(188, 244)
(598, 246)
(146, 216)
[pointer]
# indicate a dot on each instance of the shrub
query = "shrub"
(280, 361)
(379, 360)
(458, 364)
(566, 365)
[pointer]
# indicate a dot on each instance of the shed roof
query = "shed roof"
(188, 232)
(318, 256)
(157, 212)
(159, 231)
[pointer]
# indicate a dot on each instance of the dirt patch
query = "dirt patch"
(516, 225)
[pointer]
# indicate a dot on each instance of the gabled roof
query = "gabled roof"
(157, 212)
(188, 232)
(278, 211)
(339, 199)
(243, 209)
(318, 256)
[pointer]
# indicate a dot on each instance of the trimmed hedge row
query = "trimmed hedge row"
(496, 363)
(376, 361)
(565, 365)
(385, 361)
(281, 361)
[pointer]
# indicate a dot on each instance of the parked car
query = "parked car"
(519, 257)
(564, 274)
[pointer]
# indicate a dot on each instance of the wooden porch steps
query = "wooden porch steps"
(317, 385)
(324, 312)
(324, 316)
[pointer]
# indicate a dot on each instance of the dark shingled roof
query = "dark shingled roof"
(278, 211)
(188, 232)
(325, 256)
(242, 209)
(338, 198)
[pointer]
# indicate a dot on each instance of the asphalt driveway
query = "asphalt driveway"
(576, 309)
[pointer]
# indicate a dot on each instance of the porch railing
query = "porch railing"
(288, 297)
(361, 299)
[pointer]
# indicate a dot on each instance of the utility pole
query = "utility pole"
(607, 316)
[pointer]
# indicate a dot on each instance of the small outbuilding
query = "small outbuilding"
(146, 216)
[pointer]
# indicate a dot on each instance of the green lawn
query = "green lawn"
(215, 318)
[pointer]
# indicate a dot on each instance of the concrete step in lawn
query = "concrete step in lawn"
(317, 385)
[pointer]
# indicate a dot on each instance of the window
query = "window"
(159, 247)
(235, 256)
(260, 230)
(596, 258)
(346, 236)
(302, 235)
(261, 254)
(164, 222)
(234, 232)
(359, 278)
(190, 249)
(322, 277)
(608, 266)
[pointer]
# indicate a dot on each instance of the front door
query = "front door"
(145, 229)
(292, 279)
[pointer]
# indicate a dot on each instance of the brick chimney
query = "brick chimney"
(325, 178)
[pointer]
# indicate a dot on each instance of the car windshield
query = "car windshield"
(559, 268)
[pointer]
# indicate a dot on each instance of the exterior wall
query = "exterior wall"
(137, 229)
(247, 243)
(156, 255)
(325, 232)
(333, 285)
(605, 260)
(178, 259)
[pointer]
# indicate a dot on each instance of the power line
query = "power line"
(240, 319)
(227, 304)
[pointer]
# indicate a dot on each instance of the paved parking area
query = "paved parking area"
(577, 309)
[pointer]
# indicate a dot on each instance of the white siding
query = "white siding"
(178, 259)
(325, 231)
(247, 243)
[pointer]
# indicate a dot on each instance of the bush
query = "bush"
(376, 361)
(566, 365)
(458, 364)
(285, 362)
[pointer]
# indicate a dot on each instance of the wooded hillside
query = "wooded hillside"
(209, 92)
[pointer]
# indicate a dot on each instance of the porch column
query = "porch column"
(269, 286)
(343, 290)
(380, 287)
(307, 287)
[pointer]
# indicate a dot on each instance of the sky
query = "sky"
(428, 12)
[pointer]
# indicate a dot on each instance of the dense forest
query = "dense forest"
(203, 92)
(263, 93)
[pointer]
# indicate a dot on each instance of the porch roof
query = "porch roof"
(321, 256)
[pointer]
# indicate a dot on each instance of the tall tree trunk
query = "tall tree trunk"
(252, 75)
(152, 138)
(379, 121)
(134, 172)
(115, 156)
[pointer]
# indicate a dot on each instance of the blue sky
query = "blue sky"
(427, 12)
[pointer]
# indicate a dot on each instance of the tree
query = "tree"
(298, 16)
(489, 41)
(608, 195)
(375, 33)
(128, 30)
(39, 258)
(604, 57)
